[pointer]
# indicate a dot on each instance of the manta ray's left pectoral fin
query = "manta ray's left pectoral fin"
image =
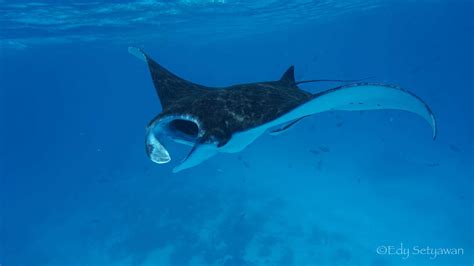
(362, 96)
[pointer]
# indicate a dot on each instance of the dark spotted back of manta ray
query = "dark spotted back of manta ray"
(236, 133)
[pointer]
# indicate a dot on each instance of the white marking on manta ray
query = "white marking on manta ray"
(353, 97)
(237, 117)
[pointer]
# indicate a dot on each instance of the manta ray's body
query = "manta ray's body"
(228, 119)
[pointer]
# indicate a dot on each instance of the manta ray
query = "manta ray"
(226, 120)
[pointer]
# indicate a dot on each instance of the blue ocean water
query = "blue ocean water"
(340, 188)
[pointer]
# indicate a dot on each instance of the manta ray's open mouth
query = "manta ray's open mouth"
(184, 129)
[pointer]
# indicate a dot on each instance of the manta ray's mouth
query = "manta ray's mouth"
(188, 128)
(184, 129)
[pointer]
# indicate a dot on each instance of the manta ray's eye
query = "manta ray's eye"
(185, 126)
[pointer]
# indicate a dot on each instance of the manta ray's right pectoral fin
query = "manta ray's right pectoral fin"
(169, 87)
(138, 53)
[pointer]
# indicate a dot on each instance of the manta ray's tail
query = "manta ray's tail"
(332, 80)
(169, 87)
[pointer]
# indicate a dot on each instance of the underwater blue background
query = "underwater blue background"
(77, 188)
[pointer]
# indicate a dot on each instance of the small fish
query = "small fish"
(434, 164)
(454, 148)
(324, 148)
(319, 166)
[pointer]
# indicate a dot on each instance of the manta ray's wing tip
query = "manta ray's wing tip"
(180, 167)
(434, 126)
(176, 170)
(137, 52)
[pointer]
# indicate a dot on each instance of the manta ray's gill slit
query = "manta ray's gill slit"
(332, 80)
